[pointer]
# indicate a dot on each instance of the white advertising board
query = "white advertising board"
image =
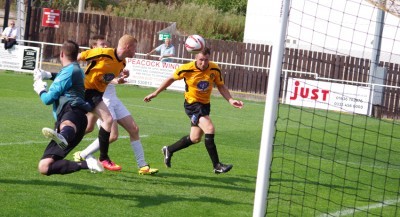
(328, 95)
(19, 58)
(151, 73)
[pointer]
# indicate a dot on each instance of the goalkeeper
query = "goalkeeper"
(66, 94)
(105, 65)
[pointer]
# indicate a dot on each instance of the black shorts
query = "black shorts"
(76, 116)
(195, 110)
(93, 97)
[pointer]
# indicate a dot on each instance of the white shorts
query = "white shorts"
(117, 108)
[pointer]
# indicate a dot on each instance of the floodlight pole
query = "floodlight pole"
(81, 6)
(6, 14)
(28, 20)
(375, 56)
(81, 9)
(270, 114)
(376, 50)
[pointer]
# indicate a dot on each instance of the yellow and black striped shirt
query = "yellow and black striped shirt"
(103, 67)
(199, 84)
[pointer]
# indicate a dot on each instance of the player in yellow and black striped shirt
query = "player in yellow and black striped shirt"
(200, 77)
(105, 65)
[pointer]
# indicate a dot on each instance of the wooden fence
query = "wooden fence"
(246, 65)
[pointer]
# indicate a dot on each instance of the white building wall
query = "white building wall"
(262, 17)
(350, 30)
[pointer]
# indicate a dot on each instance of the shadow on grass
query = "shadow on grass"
(221, 181)
(139, 200)
(144, 201)
(36, 182)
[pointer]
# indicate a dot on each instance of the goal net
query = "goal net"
(336, 146)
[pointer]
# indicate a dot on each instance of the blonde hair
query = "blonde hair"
(127, 40)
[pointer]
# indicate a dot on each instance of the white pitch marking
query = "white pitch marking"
(358, 209)
(30, 142)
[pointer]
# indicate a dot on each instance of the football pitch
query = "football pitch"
(324, 163)
(189, 188)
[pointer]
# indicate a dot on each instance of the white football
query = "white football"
(194, 43)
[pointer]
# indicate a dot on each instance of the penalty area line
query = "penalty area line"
(346, 212)
(30, 142)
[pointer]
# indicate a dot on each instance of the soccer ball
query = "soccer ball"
(194, 44)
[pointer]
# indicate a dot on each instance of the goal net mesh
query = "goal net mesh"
(336, 149)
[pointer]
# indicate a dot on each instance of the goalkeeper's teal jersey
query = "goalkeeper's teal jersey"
(67, 87)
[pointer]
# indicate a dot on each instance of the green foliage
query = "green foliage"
(214, 19)
(73, 4)
(235, 6)
(101, 4)
(191, 18)
(58, 4)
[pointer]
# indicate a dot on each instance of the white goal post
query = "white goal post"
(271, 107)
(342, 29)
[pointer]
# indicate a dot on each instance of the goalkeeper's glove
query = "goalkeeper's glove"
(39, 86)
(40, 74)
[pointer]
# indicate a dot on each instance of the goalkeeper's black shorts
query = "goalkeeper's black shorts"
(76, 116)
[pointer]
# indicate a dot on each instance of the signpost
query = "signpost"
(51, 18)
(163, 36)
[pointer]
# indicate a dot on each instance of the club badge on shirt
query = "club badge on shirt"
(108, 77)
(203, 85)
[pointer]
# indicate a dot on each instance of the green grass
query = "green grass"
(189, 188)
(326, 162)
(323, 162)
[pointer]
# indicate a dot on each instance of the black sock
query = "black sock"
(104, 141)
(84, 165)
(211, 148)
(63, 167)
(184, 142)
(68, 133)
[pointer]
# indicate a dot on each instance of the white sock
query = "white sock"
(92, 148)
(139, 153)
(98, 123)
